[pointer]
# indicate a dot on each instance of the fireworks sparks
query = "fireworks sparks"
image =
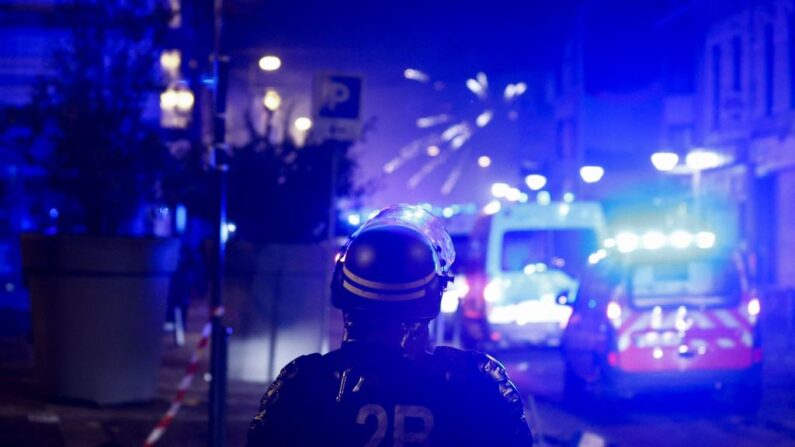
(455, 130)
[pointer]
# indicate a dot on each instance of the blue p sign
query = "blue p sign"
(340, 97)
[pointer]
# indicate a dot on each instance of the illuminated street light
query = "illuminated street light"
(433, 151)
(699, 160)
(513, 195)
(170, 60)
(272, 100)
(303, 123)
(168, 99)
(184, 100)
(484, 161)
(535, 181)
(492, 207)
(500, 189)
(664, 161)
(591, 174)
(270, 63)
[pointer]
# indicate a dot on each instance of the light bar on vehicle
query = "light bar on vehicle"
(626, 242)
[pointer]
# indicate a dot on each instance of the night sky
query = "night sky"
(452, 41)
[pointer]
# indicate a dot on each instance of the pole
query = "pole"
(218, 352)
(335, 147)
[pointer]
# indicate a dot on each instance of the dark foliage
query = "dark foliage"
(280, 192)
(97, 112)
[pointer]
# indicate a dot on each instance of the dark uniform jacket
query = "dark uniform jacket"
(371, 396)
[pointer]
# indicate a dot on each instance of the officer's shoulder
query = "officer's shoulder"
(472, 361)
(301, 366)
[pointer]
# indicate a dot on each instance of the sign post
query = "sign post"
(336, 108)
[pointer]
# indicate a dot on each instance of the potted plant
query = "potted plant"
(99, 284)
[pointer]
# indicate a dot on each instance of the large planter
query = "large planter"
(98, 306)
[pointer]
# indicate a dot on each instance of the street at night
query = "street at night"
(391, 224)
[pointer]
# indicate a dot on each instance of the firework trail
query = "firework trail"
(444, 143)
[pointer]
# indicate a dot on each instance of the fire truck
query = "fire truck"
(666, 311)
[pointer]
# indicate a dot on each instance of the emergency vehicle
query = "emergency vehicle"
(665, 311)
(519, 260)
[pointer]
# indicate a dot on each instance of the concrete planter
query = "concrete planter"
(98, 305)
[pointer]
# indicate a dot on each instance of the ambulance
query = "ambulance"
(665, 311)
(519, 261)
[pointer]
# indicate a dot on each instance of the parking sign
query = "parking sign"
(336, 107)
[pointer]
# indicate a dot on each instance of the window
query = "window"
(737, 61)
(769, 65)
(706, 282)
(715, 86)
(792, 61)
(566, 249)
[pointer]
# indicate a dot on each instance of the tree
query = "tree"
(104, 154)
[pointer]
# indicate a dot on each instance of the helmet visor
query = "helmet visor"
(421, 220)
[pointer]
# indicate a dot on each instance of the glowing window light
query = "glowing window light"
(484, 161)
(699, 160)
(270, 63)
(433, 151)
(664, 161)
(705, 239)
(626, 242)
(681, 239)
(500, 189)
(170, 60)
(272, 100)
(653, 240)
(520, 88)
(535, 181)
(184, 100)
(168, 99)
(492, 207)
(303, 123)
(591, 174)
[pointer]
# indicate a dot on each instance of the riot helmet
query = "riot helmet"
(396, 266)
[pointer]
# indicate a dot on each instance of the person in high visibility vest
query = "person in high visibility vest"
(384, 386)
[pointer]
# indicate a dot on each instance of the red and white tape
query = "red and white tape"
(184, 384)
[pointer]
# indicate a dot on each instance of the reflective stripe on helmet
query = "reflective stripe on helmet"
(385, 285)
(382, 296)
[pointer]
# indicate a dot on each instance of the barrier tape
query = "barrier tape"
(184, 384)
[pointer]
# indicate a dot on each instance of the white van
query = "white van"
(522, 262)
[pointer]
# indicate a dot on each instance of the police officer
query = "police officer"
(384, 387)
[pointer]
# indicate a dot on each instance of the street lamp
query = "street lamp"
(484, 161)
(591, 174)
(499, 190)
(270, 63)
(303, 123)
(664, 161)
(535, 181)
(699, 160)
(272, 100)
